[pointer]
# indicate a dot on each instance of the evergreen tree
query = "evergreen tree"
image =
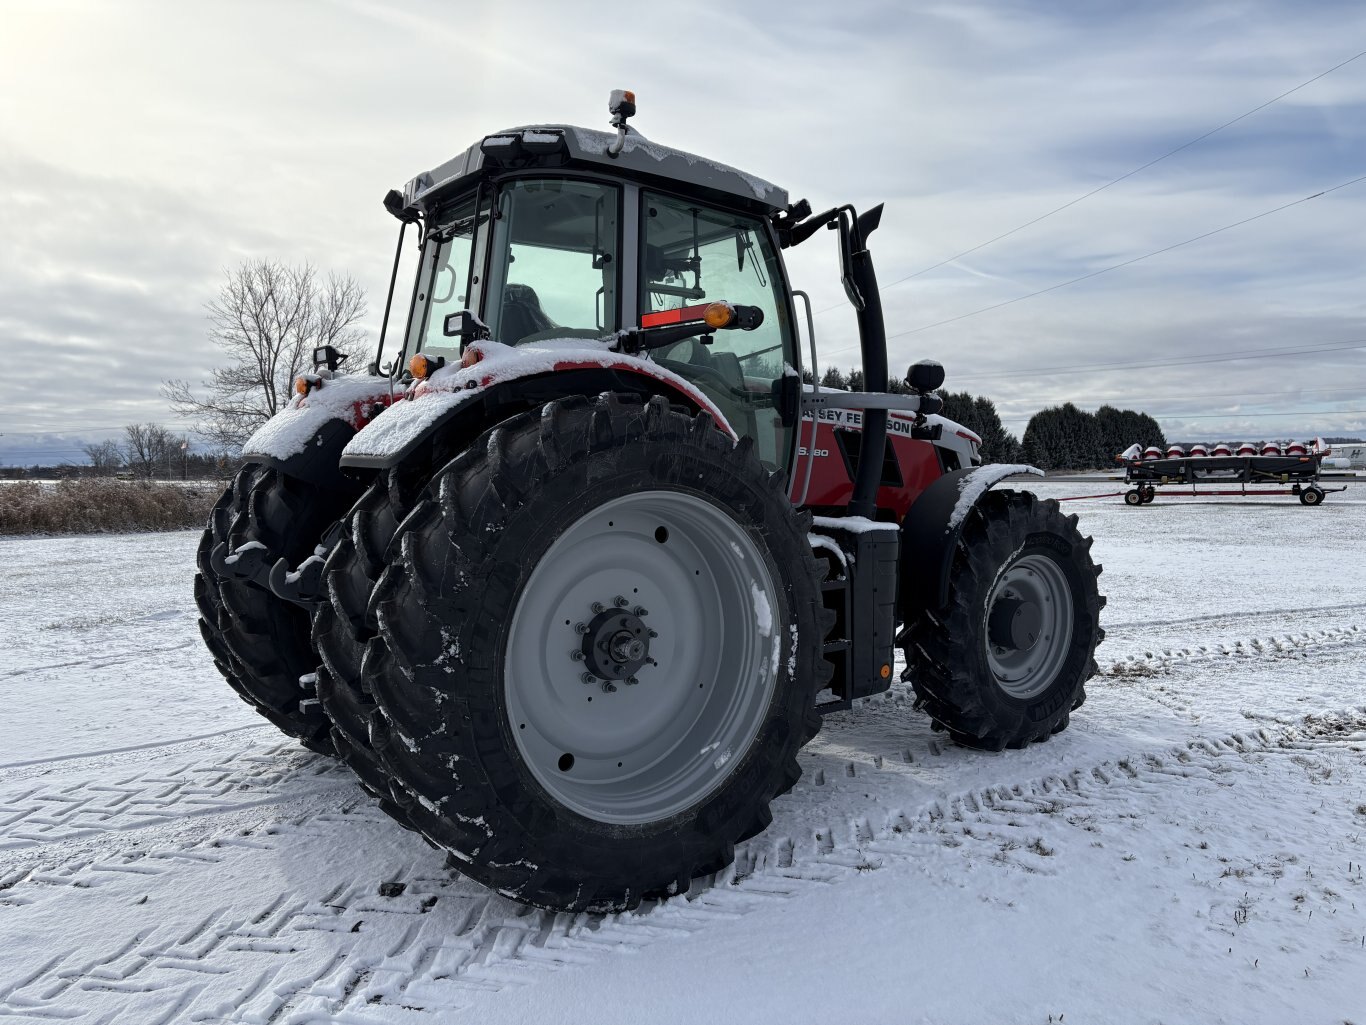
(998, 444)
(832, 378)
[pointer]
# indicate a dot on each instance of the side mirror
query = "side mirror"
(465, 326)
(327, 356)
(925, 376)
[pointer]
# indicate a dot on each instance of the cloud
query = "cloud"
(147, 148)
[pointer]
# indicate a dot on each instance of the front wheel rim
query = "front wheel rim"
(1037, 579)
(642, 657)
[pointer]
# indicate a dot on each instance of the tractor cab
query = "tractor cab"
(543, 236)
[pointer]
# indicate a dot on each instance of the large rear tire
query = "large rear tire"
(1006, 662)
(259, 641)
(344, 625)
(599, 649)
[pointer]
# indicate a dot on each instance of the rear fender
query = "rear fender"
(930, 532)
(456, 403)
(306, 438)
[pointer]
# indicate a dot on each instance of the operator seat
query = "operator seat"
(522, 314)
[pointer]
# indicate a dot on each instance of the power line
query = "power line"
(1084, 368)
(1129, 174)
(1115, 266)
(1223, 416)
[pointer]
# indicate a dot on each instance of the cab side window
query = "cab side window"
(553, 270)
(694, 254)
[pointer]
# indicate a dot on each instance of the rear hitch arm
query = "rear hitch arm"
(254, 564)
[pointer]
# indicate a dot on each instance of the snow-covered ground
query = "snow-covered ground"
(1190, 850)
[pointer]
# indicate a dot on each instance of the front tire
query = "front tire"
(547, 568)
(1006, 662)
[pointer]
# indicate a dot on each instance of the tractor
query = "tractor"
(572, 575)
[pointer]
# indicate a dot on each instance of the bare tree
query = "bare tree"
(105, 457)
(267, 319)
(147, 447)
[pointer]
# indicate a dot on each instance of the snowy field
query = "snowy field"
(1190, 850)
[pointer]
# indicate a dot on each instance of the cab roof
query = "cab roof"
(570, 147)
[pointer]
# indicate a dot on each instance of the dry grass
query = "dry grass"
(104, 506)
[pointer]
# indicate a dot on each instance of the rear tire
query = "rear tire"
(487, 600)
(1006, 662)
(344, 625)
(1311, 496)
(259, 641)
(1133, 497)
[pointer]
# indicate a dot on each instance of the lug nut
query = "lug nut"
(576, 655)
(581, 628)
(651, 662)
(599, 607)
(588, 678)
(640, 610)
(654, 633)
(609, 687)
(632, 680)
(620, 602)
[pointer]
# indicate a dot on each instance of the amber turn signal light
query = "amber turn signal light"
(719, 314)
(423, 367)
(304, 383)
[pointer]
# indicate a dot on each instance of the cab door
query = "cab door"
(691, 253)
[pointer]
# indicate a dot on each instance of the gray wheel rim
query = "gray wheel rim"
(1027, 673)
(628, 753)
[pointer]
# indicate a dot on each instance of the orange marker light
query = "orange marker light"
(885, 671)
(422, 367)
(719, 314)
(304, 384)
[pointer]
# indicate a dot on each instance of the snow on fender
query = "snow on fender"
(429, 403)
(347, 397)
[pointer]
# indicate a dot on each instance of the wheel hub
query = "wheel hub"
(1015, 624)
(616, 643)
(633, 754)
(1029, 625)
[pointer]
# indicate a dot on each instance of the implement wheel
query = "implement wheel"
(601, 642)
(1006, 662)
(1134, 496)
(259, 641)
(1311, 496)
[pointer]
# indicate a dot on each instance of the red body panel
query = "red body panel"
(831, 483)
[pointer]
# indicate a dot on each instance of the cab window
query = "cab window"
(553, 264)
(692, 254)
(443, 278)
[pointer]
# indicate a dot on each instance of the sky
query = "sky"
(146, 148)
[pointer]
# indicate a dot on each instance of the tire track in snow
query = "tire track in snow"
(103, 661)
(339, 951)
(1240, 616)
(1153, 661)
(101, 752)
(34, 816)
